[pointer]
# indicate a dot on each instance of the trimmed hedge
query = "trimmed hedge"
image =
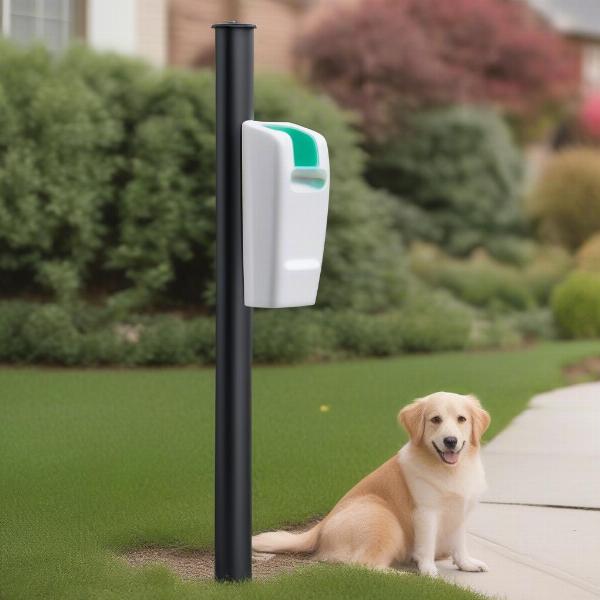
(13, 345)
(50, 334)
(428, 321)
(285, 336)
(107, 185)
(484, 282)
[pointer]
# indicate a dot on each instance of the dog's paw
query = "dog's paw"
(471, 564)
(427, 568)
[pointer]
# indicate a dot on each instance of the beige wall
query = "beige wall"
(277, 26)
(190, 35)
(132, 27)
(151, 35)
(278, 22)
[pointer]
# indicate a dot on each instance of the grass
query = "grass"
(93, 462)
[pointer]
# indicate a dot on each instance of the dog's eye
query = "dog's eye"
(437, 420)
(462, 419)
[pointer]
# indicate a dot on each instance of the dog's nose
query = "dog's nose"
(450, 442)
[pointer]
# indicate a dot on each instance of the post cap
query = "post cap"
(233, 25)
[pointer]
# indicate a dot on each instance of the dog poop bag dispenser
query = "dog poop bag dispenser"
(285, 197)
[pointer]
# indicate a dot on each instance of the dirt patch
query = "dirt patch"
(586, 370)
(200, 564)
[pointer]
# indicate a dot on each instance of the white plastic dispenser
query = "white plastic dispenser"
(285, 197)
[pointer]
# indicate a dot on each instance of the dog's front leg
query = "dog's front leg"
(460, 554)
(426, 525)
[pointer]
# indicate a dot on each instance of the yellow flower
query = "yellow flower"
(324, 408)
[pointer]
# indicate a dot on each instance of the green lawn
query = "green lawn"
(96, 461)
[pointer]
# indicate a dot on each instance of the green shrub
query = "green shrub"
(166, 211)
(283, 336)
(162, 341)
(566, 201)
(479, 281)
(537, 324)
(102, 348)
(576, 305)
(485, 285)
(358, 334)
(57, 167)
(201, 339)
(428, 321)
(107, 184)
(89, 317)
(460, 171)
(50, 336)
(13, 315)
(512, 250)
(431, 321)
(505, 331)
(497, 332)
(62, 279)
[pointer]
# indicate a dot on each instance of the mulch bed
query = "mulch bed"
(586, 370)
(200, 564)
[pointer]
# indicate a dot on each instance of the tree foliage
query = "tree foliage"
(386, 56)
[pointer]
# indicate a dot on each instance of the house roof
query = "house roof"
(574, 17)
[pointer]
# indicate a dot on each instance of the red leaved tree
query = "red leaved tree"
(391, 54)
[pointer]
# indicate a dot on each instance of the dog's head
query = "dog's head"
(445, 424)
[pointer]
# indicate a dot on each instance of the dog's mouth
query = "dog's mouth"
(450, 457)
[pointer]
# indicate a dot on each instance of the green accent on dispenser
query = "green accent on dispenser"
(305, 147)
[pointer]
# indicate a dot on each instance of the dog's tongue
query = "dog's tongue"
(450, 457)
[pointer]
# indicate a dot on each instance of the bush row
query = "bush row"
(49, 334)
(486, 283)
(428, 322)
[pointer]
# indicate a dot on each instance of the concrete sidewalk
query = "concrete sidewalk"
(538, 527)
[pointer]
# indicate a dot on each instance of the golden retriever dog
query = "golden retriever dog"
(414, 506)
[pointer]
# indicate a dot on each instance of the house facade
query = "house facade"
(177, 32)
(579, 22)
(164, 32)
(133, 27)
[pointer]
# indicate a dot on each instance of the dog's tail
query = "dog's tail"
(280, 542)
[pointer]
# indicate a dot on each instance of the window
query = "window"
(53, 22)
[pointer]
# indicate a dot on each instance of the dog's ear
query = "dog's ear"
(481, 420)
(412, 418)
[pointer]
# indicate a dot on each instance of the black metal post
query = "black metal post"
(233, 493)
